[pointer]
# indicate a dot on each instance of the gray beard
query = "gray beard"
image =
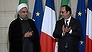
(24, 17)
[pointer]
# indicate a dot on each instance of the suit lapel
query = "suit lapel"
(71, 22)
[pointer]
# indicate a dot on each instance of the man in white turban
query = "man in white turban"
(22, 11)
(23, 34)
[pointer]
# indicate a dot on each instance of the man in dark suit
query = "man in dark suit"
(68, 31)
(23, 34)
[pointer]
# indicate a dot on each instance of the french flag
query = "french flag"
(47, 41)
(89, 27)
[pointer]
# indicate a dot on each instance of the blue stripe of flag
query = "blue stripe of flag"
(90, 4)
(50, 3)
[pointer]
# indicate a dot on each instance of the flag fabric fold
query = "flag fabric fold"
(65, 2)
(81, 15)
(38, 14)
(47, 41)
(89, 27)
(22, 1)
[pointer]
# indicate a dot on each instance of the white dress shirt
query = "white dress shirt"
(68, 25)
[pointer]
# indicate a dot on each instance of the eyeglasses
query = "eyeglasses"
(62, 12)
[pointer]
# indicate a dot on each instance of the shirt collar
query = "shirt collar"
(68, 20)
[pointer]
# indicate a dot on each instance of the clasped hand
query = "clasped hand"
(28, 34)
(65, 29)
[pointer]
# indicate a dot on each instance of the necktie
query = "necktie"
(66, 44)
(66, 24)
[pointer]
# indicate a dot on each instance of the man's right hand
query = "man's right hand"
(28, 34)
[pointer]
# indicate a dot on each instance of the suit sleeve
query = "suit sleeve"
(58, 31)
(76, 29)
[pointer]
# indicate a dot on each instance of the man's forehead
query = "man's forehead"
(63, 8)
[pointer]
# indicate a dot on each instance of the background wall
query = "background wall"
(7, 14)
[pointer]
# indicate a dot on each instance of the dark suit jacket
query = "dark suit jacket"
(16, 36)
(71, 39)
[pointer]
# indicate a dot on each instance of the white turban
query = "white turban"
(22, 5)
